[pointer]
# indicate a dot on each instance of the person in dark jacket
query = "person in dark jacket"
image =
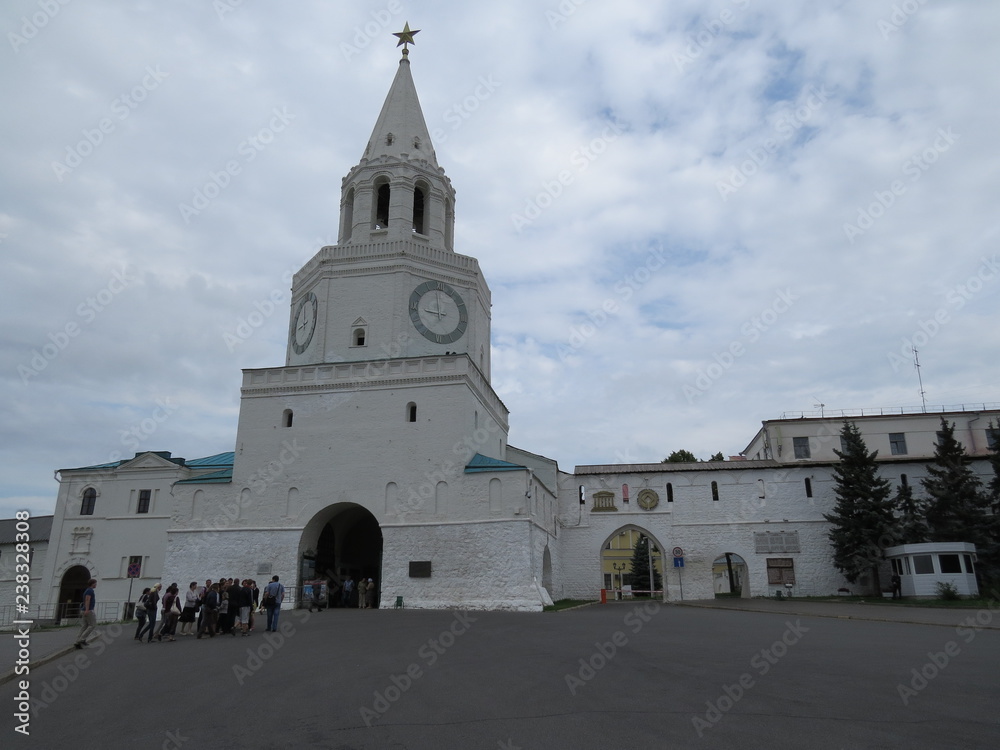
(152, 600)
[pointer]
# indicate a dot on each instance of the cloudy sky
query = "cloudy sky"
(693, 215)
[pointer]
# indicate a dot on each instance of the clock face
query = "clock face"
(304, 323)
(438, 312)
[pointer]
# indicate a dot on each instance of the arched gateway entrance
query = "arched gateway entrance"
(74, 583)
(342, 540)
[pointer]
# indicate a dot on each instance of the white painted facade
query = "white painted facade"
(379, 449)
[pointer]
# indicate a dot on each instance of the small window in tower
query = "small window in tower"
(418, 210)
(670, 492)
(389, 139)
(715, 491)
(144, 497)
(903, 480)
(416, 142)
(359, 336)
(286, 418)
(809, 487)
(411, 412)
(382, 207)
(89, 501)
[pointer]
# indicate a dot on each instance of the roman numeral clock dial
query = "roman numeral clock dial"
(438, 312)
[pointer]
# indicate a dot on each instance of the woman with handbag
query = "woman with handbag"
(152, 599)
(140, 613)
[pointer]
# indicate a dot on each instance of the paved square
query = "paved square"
(621, 675)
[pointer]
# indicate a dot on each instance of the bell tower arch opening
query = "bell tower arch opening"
(342, 540)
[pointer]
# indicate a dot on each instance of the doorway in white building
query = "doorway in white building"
(342, 540)
(617, 555)
(730, 575)
(71, 588)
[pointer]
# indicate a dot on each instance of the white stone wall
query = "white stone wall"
(484, 565)
(237, 553)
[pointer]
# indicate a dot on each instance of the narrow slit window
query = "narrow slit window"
(715, 492)
(809, 487)
(411, 412)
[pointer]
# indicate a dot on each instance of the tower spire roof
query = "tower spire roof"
(400, 130)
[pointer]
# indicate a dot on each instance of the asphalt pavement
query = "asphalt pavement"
(717, 674)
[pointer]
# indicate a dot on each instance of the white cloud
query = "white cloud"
(697, 94)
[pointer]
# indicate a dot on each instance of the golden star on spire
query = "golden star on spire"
(405, 36)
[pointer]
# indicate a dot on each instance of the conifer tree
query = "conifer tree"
(639, 568)
(912, 526)
(957, 506)
(862, 519)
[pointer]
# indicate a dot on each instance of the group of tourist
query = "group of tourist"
(361, 596)
(226, 607)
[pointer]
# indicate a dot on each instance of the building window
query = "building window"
(923, 564)
(144, 497)
(381, 218)
(809, 487)
(781, 541)
(411, 412)
(760, 489)
(670, 492)
(950, 563)
(359, 336)
(715, 492)
(801, 445)
(604, 501)
(419, 210)
(349, 215)
(843, 444)
(968, 564)
(897, 443)
(941, 436)
(780, 570)
(89, 501)
(903, 480)
(286, 418)
(993, 438)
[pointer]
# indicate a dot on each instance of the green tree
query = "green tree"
(957, 506)
(910, 513)
(639, 567)
(862, 521)
(718, 457)
(959, 509)
(680, 457)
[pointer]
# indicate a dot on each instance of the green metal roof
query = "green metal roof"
(216, 477)
(218, 460)
(481, 463)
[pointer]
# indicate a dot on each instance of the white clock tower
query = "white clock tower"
(379, 449)
(392, 286)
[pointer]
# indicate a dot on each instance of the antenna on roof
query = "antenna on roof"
(820, 407)
(920, 380)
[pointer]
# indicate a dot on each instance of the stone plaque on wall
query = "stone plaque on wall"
(420, 568)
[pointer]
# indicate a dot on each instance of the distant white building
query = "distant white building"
(379, 449)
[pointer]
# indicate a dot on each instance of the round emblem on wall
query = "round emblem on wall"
(304, 323)
(648, 499)
(438, 312)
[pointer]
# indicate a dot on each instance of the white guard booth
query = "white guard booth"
(921, 567)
